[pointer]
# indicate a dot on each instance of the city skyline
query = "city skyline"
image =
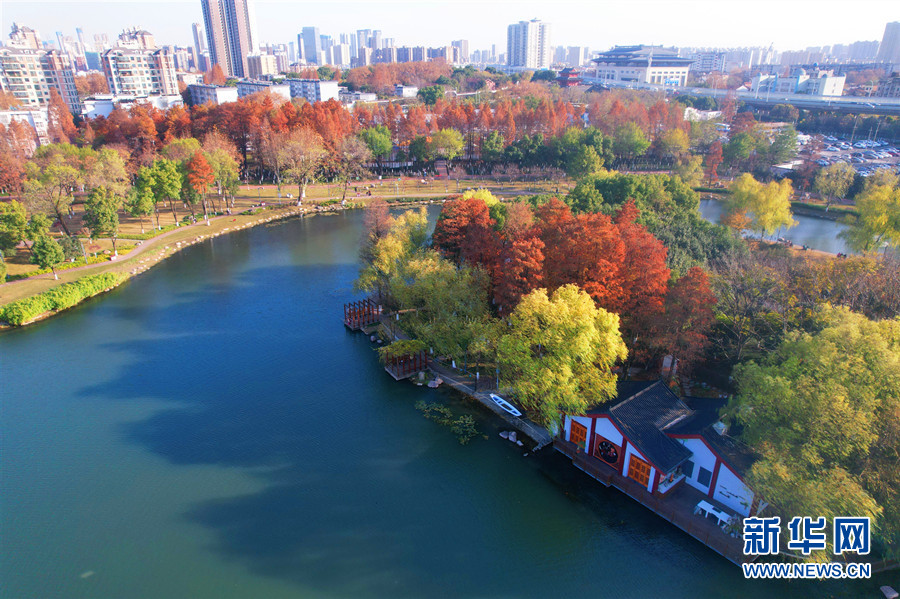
(437, 23)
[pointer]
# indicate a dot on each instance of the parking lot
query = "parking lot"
(866, 156)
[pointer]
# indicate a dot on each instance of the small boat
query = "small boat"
(505, 405)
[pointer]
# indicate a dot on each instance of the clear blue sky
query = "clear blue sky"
(789, 24)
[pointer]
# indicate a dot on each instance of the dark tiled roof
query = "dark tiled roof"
(643, 414)
(706, 413)
(738, 455)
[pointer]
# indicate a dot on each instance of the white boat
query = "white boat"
(505, 405)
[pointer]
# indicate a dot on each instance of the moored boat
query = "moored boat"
(505, 405)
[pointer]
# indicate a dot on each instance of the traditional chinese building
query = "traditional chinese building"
(670, 454)
(569, 77)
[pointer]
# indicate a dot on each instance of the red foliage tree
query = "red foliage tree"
(520, 270)
(463, 223)
(713, 160)
(643, 273)
(682, 327)
(60, 124)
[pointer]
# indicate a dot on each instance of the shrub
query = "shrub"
(59, 298)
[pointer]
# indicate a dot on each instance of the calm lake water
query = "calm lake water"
(211, 430)
(817, 233)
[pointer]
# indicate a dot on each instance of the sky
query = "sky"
(598, 24)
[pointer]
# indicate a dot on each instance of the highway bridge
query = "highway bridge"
(847, 104)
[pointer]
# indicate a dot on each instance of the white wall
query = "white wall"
(732, 492)
(607, 430)
(703, 457)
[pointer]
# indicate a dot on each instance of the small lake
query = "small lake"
(211, 430)
(817, 233)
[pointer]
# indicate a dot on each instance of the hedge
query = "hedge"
(59, 298)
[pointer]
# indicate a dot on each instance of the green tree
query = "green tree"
(418, 149)
(878, 223)
(12, 226)
(492, 147)
(38, 225)
(834, 181)
(584, 163)
(767, 205)
(163, 182)
(47, 253)
(672, 144)
(558, 352)
(446, 143)
(378, 140)
(431, 94)
(385, 254)
(784, 146)
(140, 204)
(630, 141)
(101, 215)
(822, 412)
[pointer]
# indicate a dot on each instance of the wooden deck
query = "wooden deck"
(676, 506)
(403, 367)
(358, 315)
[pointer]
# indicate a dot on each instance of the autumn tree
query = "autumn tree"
(681, 329)
(60, 124)
(89, 84)
(713, 160)
(350, 161)
(520, 270)
(214, 76)
(461, 221)
(199, 175)
(822, 412)
(301, 152)
(767, 205)
(558, 353)
(877, 222)
(834, 181)
(223, 159)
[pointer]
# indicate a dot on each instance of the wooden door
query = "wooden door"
(639, 470)
(578, 434)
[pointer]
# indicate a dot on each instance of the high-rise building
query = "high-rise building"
(528, 45)
(30, 74)
(260, 65)
(136, 39)
(312, 45)
(889, 51)
(199, 42)
(229, 33)
(24, 38)
(463, 47)
(140, 72)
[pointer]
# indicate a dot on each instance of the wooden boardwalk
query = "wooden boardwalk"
(676, 506)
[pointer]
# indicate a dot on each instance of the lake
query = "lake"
(817, 233)
(211, 430)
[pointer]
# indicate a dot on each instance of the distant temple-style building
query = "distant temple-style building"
(569, 77)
